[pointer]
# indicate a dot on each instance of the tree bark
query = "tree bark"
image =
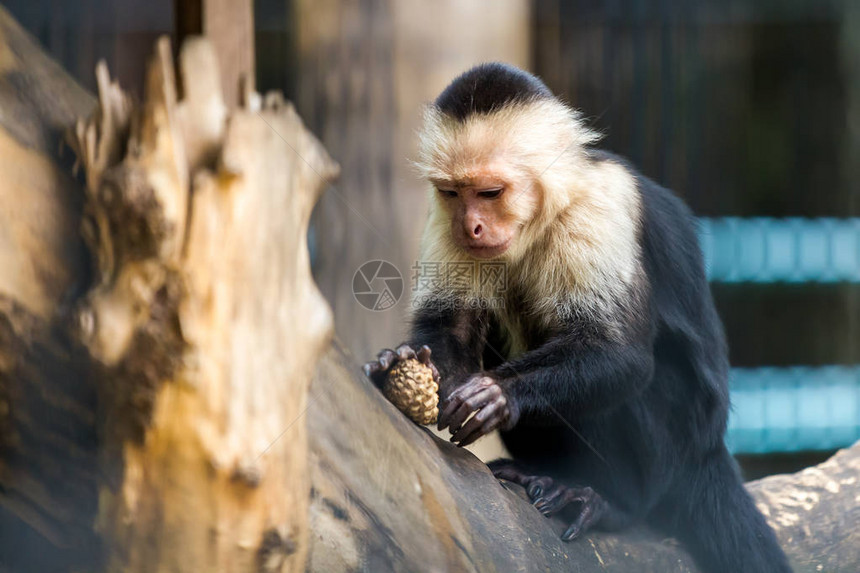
(47, 410)
(164, 400)
(203, 319)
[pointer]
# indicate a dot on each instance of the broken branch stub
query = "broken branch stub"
(204, 318)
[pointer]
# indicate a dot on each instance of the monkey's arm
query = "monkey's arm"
(564, 379)
(572, 379)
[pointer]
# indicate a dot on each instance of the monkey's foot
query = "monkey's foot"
(510, 471)
(550, 497)
(592, 507)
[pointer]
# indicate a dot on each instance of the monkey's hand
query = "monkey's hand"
(377, 370)
(482, 395)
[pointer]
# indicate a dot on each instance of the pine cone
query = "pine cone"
(410, 387)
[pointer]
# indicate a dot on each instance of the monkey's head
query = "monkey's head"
(500, 151)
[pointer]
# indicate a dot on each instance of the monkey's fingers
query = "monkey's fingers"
(424, 357)
(588, 517)
(466, 400)
(485, 421)
(470, 427)
(537, 485)
(555, 498)
(471, 404)
(449, 405)
(473, 384)
(424, 354)
(509, 471)
(377, 370)
(405, 352)
(386, 358)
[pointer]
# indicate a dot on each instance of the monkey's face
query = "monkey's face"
(486, 213)
(500, 177)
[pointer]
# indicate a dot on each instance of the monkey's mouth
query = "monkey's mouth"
(487, 251)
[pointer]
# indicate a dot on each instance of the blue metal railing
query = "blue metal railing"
(795, 250)
(795, 408)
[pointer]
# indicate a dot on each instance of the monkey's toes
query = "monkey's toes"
(540, 486)
(552, 497)
(591, 511)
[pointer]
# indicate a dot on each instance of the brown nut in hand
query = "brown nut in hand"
(412, 388)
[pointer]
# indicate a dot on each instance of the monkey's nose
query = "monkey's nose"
(477, 231)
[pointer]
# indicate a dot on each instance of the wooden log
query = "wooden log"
(162, 398)
(40, 203)
(204, 320)
(48, 470)
(391, 496)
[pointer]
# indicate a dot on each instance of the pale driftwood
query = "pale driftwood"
(205, 320)
(163, 407)
(390, 496)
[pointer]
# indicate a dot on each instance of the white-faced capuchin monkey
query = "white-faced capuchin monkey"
(605, 367)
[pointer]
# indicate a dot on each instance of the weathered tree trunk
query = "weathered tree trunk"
(160, 390)
(174, 387)
(205, 320)
(47, 419)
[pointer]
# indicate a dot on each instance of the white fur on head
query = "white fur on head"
(577, 248)
(535, 140)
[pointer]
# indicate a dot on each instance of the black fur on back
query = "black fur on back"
(489, 87)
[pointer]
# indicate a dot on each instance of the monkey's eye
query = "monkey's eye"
(448, 193)
(490, 193)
